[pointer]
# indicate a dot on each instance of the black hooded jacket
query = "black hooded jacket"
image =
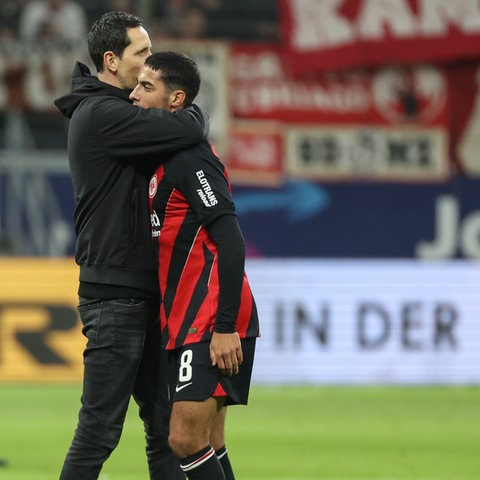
(113, 148)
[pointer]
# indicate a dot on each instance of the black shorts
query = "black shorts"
(193, 378)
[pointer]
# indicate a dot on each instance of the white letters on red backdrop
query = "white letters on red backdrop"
(337, 34)
(434, 102)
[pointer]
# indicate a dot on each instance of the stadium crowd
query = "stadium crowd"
(69, 20)
(50, 25)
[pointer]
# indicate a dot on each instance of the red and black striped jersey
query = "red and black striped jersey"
(186, 194)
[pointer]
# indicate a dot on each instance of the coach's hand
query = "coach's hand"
(226, 352)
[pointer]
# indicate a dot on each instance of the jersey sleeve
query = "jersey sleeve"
(204, 185)
(230, 243)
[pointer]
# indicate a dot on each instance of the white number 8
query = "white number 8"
(185, 372)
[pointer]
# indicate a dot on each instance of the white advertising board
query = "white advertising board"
(367, 322)
(381, 153)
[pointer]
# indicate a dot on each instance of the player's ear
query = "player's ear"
(177, 99)
(110, 61)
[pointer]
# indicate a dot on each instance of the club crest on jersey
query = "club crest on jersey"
(152, 188)
(205, 192)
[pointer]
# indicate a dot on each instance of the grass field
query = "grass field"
(286, 433)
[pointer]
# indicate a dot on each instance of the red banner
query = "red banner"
(418, 112)
(322, 35)
(386, 96)
(256, 153)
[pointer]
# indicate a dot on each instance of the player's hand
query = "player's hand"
(226, 352)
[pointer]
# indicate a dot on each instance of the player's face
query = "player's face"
(133, 57)
(150, 91)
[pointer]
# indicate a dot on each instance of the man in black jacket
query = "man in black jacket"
(113, 148)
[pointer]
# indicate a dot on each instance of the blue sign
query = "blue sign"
(364, 220)
(299, 219)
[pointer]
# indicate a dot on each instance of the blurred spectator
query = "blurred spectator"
(245, 20)
(51, 21)
(96, 8)
(236, 20)
(9, 18)
(169, 11)
(171, 19)
(192, 24)
(121, 6)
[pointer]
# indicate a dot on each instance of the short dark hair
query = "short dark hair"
(177, 70)
(110, 33)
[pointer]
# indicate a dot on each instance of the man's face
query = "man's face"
(133, 57)
(150, 91)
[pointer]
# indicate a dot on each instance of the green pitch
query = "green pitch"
(294, 433)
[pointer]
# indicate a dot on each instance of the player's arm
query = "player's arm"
(129, 130)
(225, 346)
(218, 216)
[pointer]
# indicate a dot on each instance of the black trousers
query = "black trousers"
(123, 357)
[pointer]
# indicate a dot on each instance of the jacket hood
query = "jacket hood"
(85, 85)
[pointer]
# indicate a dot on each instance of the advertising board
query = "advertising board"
(322, 322)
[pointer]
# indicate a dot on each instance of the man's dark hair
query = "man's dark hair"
(177, 70)
(110, 33)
